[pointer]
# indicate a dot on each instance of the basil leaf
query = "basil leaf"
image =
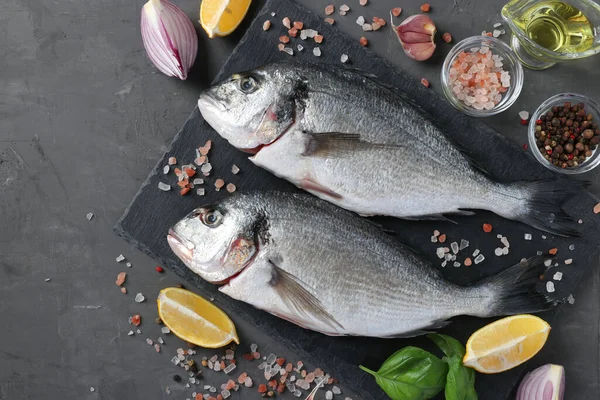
(460, 382)
(448, 345)
(411, 374)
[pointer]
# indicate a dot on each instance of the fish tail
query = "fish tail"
(515, 290)
(539, 204)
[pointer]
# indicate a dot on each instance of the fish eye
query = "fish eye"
(212, 218)
(248, 84)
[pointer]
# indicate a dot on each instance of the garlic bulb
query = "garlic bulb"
(169, 38)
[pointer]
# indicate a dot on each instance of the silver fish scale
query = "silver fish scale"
(371, 286)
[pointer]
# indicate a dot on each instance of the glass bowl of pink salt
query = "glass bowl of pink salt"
(482, 76)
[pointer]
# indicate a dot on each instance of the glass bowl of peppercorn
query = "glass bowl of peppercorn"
(564, 133)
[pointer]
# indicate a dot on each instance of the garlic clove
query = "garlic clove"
(169, 38)
(416, 35)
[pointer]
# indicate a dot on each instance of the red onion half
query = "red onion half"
(544, 383)
(169, 38)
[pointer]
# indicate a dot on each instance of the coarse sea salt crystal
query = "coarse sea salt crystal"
(572, 247)
(139, 298)
(569, 261)
(558, 276)
(120, 258)
(300, 47)
(527, 236)
(505, 242)
(360, 20)
(498, 251)
(344, 58)
(497, 25)
(89, 216)
(550, 286)
(548, 262)
(463, 244)
(456, 264)
(434, 239)
(444, 264)
(329, 395)
(165, 330)
(288, 50)
(454, 247)
(164, 187)
(317, 52)
(479, 259)
(496, 33)
(524, 115)
(476, 253)
(571, 299)
(336, 390)
(505, 251)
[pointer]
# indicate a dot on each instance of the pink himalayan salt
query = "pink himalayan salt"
(478, 79)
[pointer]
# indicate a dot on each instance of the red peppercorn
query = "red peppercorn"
(525, 146)
(160, 269)
(570, 156)
(538, 122)
(523, 122)
(549, 152)
(572, 136)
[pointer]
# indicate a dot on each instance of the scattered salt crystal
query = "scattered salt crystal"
(262, 365)
(550, 286)
(300, 47)
(496, 33)
(303, 384)
(149, 341)
(502, 31)
(497, 25)
(436, 233)
(344, 7)
(47, 280)
(434, 239)
(317, 51)
(444, 264)
(198, 181)
(253, 347)
(571, 299)
(212, 389)
(157, 347)
(139, 298)
(128, 265)
(120, 258)
(165, 330)
(201, 191)
(476, 253)
(548, 262)
(336, 390)
(235, 169)
(572, 247)
(505, 242)
(288, 50)
(292, 378)
(229, 368)
(505, 251)
(360, 20)
(454, 247)
(528, 236)
(92, 389)
(539, 253)
(298, 393)
(524, 115)
(329, 395)
(367, 27)
(217, 366)
(580, 221)
(479, 259)
(225, 393)
(448, 256)
(139, 332)
(456, 264)
(175, 360)
(206, 387)
(558, 276)
(271, 359)
(463, 244)
(344, 58)
(130, 333)
(498, 251)
(164, 187)
(440, 252)
(248, 382)
(206, 168)
(544, 237)
(569, 261)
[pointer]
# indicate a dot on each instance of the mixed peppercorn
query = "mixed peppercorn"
(566, 135)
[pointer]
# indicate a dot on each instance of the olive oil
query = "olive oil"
(557, 26)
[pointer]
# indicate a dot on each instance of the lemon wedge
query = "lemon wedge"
(195, 319)
(222, 17)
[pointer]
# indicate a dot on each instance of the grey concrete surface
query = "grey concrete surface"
(83, 118)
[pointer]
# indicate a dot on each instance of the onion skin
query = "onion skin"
(169, 38)
(544, 383)
(416, 35)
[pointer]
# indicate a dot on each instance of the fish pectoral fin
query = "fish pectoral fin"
(310, 185)
(331, 143)
(293, 293)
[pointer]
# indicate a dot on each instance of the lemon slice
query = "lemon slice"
(195, 319)
(221, 17)
(506, 343)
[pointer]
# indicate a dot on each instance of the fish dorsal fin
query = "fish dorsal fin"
(294, 294)
(327, 144)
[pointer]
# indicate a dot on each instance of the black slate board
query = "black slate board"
(147, 219)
